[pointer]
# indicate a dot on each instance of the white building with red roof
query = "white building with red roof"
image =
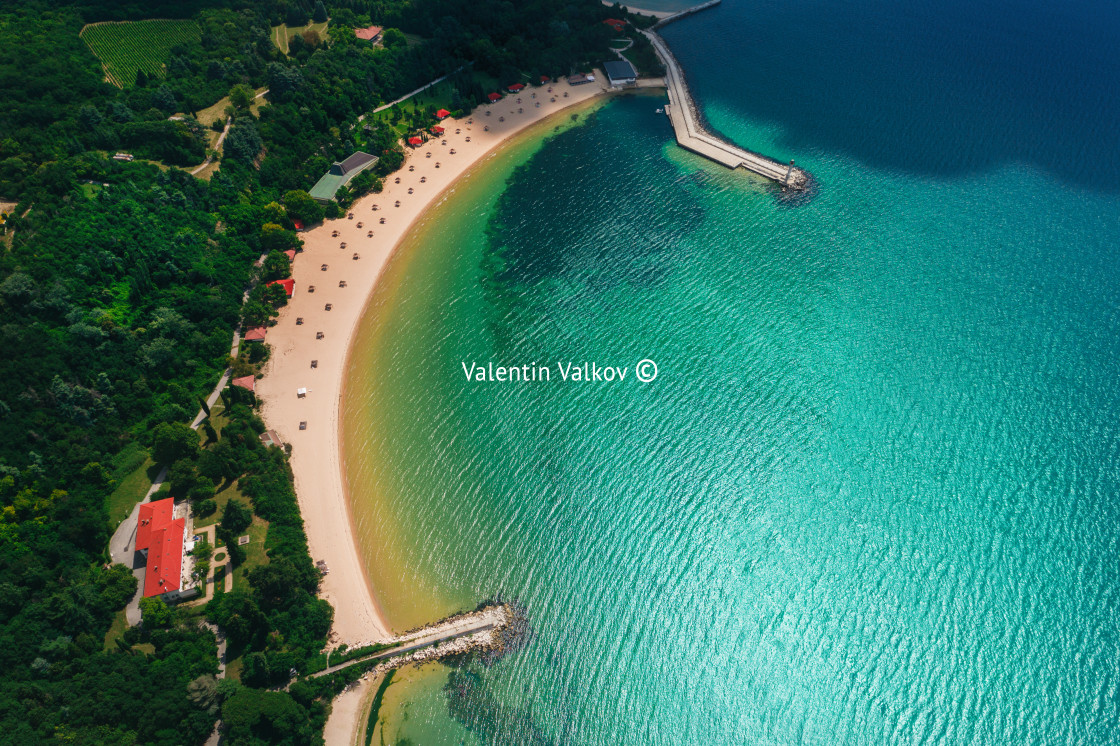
(161, 539)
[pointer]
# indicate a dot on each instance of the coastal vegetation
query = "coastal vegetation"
(121, 282)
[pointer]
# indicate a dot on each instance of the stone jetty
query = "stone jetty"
(688, 125)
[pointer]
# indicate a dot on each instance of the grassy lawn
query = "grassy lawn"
(128, 46)
(255, 555)
(221, 499)
(283, 33)
(217, 112)
(134, 472)
(233, 668)
(116, 629)
(438, 97)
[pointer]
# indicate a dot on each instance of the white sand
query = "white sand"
(316, 451)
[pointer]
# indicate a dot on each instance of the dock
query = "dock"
(689, 128)
(477, 630)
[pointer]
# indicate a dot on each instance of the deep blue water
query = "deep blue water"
(942, 89)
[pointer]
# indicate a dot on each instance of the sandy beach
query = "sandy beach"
(316, 452)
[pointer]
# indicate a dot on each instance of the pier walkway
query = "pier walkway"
(435, 641)
(690, 132)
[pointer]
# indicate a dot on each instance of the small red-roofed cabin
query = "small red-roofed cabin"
(616, 24)
(370, 33)
(443, 114)
(494, 97)
(437, 130)
(516, 88)
(246, 382)
(298, 224)
(415, 142)
(256, 334)
(289, 286)
(291, 254)
(545, 79)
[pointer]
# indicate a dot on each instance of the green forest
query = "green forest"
(121, 283)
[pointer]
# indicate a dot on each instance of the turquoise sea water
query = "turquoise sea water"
(873, 495)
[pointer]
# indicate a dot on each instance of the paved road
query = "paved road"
(410, 94)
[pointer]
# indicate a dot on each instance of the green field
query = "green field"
(283, 33)
(128, 46)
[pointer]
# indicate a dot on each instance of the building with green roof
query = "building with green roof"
(340, 174)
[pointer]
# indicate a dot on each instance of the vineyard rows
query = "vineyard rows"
(126, 47)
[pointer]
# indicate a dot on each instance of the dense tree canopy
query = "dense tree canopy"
(120, 286)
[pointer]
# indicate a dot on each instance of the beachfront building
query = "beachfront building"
(161, 540)
(249, 383)
(369, 33)
(415, 141)
(255, 334)
(620, 72)
(580, 79)
(340, 174)
(442, 114)
(289, 284)
(516, 88)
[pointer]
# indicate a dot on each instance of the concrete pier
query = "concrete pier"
(472, 631)
(690, 132)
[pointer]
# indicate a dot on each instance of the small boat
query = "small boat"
(660, 111)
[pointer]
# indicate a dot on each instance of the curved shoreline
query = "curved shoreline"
(316, 451)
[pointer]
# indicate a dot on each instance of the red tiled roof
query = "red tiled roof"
(438, 130)
(545, 78)
(369, 33)
(494, 96)
(291, 254)
(415, 141)
(615, 23)
(256, 334)
(442, 114)
(246, 382)
(289, 286)
(153, 515)
(165, 558)
(516, 87)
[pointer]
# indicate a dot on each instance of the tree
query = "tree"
(118, 585)
(236, 517)
(296, 16)
(301, 206)
(156, 614)
(392, 38)
(241, 96)
(164, 99)
(319, 14)
(183, 477)
(275, 237)
(311, 38)
(173, 441)
(276, 266)
(243, 142)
